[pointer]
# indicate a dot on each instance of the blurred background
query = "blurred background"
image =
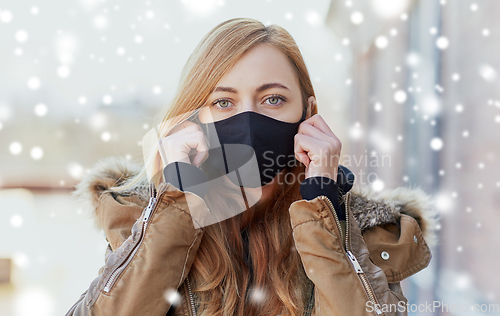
(412, 85)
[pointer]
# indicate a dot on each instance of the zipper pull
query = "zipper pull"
(147, 214)
(354, 262)
(152, 189)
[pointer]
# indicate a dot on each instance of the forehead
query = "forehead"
(262, 63)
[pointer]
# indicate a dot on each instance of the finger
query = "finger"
(317, 150)
(299, 151)
(311, 145)
(304, 147)
(202, 153)
(185, 127)
(200, 158)
(317, 121)
(195, 140)
(315, 133)
(177, 147)
(310, 130)
(181, 136)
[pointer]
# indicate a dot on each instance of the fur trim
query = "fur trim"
(369, 208)
(106, 173)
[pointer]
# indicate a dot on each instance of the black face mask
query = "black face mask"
(250, 148)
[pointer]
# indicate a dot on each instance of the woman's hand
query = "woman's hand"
(184, 138)
(317, 147)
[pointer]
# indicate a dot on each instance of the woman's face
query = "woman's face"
(262, 80)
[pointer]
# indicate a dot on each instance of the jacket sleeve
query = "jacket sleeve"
(155, 258)
(337, 260)
(316, 186)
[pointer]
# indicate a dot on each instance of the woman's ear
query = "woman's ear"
(311, 105)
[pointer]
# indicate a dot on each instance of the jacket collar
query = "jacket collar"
(370, 208)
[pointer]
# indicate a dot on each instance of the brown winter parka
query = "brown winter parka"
(356, 265)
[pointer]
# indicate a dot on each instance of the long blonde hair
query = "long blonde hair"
(220, 274)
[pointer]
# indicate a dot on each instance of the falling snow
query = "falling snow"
(407, 87)
(487, 72)
(41, 109)
(378, 185)
(21, 36)
(6, 16)
(16, 221)
(15, 148)
(442, 42)
(257, 295)
(36, 153)
(381, 42)
(436, 144)
(400, 96)
(357, 18)
(107, 99)
(34, 83)
(173, 297)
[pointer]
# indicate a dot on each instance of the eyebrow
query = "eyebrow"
(263, 87)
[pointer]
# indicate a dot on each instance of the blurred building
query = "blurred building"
(425, 91)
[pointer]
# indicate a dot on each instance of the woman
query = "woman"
(295, 243)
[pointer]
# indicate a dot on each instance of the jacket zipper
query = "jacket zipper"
(145, 221)
(350, 255)
(191, 299)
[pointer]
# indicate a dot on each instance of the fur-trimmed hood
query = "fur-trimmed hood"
(370, 208)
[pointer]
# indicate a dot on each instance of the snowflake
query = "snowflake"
(381, 42)
(5, 16)
(63, 71)
(33, 83)
(357, 18)
(173, 297)
(442, 42)
(21, 36)
(15, 148)
(257, 295)
(487, 72)
(40, 109)
(400, 96)
(107, 99)
(16, 221)
(75, 170)
(106, 136)
(436, 143)
(378, 185)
